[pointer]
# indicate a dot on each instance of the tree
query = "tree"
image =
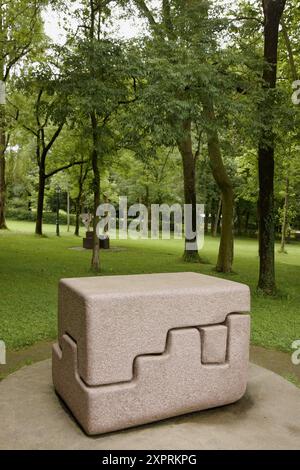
(273, 11)
(97, 75)
(174, 68)
(225, 255)
(184, 38)
(20, 33)
(292, 71)
(44, 115)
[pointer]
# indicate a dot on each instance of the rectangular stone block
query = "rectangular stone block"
(214, 344)
(135, 349)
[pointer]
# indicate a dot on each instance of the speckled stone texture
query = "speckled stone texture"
(114, 319)
(214, 344)
(136, 349)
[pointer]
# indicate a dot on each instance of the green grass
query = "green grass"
(293, 379)
(30, 268)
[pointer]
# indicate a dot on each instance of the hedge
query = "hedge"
(48, 217)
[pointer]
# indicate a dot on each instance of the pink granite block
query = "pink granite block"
(135, 349)
(115, 319)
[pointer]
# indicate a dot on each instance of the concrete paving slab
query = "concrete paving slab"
(267, 417)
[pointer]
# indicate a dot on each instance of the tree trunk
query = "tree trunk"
(238, 220)
(77, 223)
(212, 217)
(217, 218)
(40, 204)
(206, 221)
(189, 177)
(2, 168)
(2, 135)
(68, 211)
(77, 216)
(285, 216)
(247, 217)
(273, 10)
(95, 263)
(78, 200)
(225, 256)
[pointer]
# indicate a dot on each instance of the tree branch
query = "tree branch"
(141, 5)
(65, 167)
(37, 107)
(30, 130)
(289, 49)
(54, 137)
(166, 10)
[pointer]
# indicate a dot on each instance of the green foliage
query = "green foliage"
(140, 91)
(30, 216)
(20, 33)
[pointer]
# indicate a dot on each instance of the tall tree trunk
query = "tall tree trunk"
(95, 263)
(40, 202)
(68, 211)
(77, 215)
(206, 221)
(2, 169)
(285, 216)
(273, 10)
(225, 256)
(2, 136)
(78, 200)
(247, 217)
(238, 220)
(212, 217)
(217, 218)
(189, 177)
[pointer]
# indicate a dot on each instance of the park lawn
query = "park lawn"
(31, 266)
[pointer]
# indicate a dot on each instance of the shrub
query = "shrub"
(48, 217)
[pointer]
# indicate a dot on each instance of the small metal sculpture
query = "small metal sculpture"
(87, 220)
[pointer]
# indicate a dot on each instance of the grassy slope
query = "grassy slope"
(30, 268)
